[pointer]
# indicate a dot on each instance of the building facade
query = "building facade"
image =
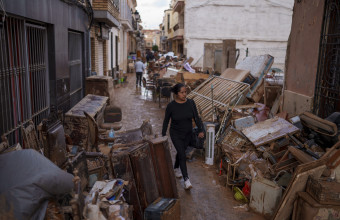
(151, 38)
(114, 35)
(312, 78)
(104, 37)
(44, 50)
(253, 24)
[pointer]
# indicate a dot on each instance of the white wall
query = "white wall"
(263, 26)
(123, 49)
(115, 33)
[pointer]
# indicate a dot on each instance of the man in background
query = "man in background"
(139, 67)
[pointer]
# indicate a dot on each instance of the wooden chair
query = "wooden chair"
(149, 86)
(5, 146)
(95, 135)
(30, 137)
(164, 88)
(54, 141)
(111, 118)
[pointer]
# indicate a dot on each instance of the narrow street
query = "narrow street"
(80, 140)
(207, 199)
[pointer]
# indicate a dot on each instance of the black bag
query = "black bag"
(195, 141)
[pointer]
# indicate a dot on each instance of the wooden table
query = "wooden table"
(76, 125)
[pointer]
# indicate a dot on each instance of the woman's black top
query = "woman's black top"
(181, 115)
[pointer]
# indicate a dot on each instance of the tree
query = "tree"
(155, 48)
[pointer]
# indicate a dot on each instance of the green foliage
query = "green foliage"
(155, 48)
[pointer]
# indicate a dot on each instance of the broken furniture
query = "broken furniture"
(164, 88)
(161, 158)
(265, 196)
(111, 118)
(298, 184)
(76, 124)
(121, 168)
(307, 208)
(258, 66)
(235, 74)
(170, 72)
(94, 135)
(190, 78)
(149, 86)
(30, 137)
(147, 166)
(5, 147)
(53, 137)
(134, 135)
(324, 132)
(103, 86)
(225, 92)
(133, 163)
(267, 131)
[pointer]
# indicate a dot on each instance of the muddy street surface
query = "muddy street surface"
(207, 199)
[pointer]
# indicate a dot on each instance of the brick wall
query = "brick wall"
(106, 5)
(105, 70)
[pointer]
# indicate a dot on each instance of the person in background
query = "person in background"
(181, 111)
(139, 67)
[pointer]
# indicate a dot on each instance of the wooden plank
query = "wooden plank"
(298, 184)
(235, 74)
(246, 106)
(269, 130)
(300, 155)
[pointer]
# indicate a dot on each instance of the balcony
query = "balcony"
(126, 15)
(178, 31)
(179, 6)
(106, 11)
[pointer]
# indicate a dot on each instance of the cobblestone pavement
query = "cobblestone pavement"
(207, 199)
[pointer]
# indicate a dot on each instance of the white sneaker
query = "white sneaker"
(187, 184)
(178, 173)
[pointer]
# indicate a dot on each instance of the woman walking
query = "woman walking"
(181, 111)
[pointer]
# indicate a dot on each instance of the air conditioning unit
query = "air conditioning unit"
(210, 144)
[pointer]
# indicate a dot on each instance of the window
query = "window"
(75, 67)
(168, 22)
(23, 76)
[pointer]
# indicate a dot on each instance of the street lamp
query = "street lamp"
(137, 16)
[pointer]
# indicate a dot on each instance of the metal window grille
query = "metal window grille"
(327, 89)
(23, 76)
(75, 67)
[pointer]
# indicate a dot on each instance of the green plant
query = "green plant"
(155, 48)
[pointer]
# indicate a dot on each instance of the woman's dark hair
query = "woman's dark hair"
(176, 88)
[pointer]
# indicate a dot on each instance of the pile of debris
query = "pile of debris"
(79, 165)
(268, 159)
(179, 69)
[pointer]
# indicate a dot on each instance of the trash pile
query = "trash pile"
(180, 69)
(79, 165)
(268, 159)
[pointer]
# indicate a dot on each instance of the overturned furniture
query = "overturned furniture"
(76, 124)
(103, 86)
(147, 166)
(217, 92)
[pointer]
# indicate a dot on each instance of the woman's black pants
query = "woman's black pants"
(181, 143)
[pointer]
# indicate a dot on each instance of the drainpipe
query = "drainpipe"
(89, 53)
